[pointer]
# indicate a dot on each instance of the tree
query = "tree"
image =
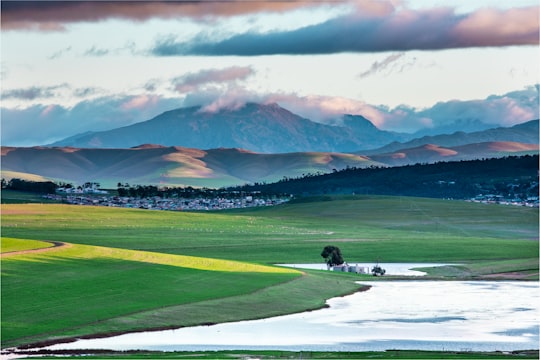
(332, 255)
(378, 271)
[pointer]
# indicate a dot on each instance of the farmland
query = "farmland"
(136, 269)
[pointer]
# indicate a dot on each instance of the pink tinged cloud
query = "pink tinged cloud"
(140, 102)
(374, 8)
(511, 112)
(194, 81)
(48, 110)
(492, 27)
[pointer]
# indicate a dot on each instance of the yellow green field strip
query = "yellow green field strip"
(75, 251)
(9, 245)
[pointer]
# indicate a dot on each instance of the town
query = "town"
(173, 203)
(204, 199)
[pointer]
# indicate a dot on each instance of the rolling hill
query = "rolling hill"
(154, 164)
(178, 166)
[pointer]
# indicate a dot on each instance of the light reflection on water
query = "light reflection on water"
(425, 315)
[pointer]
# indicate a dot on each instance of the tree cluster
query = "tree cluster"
(144, 191)
(332, 255)
(42, 187)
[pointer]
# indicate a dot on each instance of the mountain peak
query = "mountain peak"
(358, 122)
(148, 146)
(269, 128)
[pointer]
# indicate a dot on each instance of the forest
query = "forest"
(513, 176)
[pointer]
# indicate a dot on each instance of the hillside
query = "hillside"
(159, 165)
(256, 127)
(178, 166)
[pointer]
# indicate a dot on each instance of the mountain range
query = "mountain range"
(523, 133)
(254, 127)
(256, 143)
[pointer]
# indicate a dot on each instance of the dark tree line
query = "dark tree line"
(514, 175)
(42, 187)
(144, 191)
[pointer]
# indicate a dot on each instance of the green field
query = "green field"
(135, 269)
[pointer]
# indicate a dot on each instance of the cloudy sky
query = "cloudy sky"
(75, 66)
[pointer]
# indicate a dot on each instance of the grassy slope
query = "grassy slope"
(109, 283)
(485, 238)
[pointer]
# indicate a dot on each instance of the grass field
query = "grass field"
(366, 229)
(109, 283)
(134, 269)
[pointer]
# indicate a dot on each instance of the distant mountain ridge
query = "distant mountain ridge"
(431, 153)
(256, 127)
(527, 133)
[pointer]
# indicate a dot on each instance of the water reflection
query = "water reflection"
(428, 315)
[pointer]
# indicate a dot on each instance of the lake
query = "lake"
(413, 314)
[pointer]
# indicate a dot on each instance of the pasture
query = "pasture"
(134, 269)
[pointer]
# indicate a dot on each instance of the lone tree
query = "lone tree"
(332, 255)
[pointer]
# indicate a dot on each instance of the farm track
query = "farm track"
(55, 246)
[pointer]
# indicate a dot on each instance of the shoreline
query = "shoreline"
(45, 343)
(363, 287)
(271, 354)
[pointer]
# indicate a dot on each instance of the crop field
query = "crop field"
(126, 269)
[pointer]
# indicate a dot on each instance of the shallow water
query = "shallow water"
(424, 315)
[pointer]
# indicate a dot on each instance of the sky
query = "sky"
(68, 67)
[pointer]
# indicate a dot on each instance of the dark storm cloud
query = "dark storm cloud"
(398, 30)
(54, 15)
